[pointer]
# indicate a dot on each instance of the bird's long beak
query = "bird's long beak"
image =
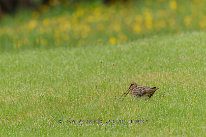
(127, 92)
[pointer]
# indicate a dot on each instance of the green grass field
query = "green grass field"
(72, 63)
(40, 87)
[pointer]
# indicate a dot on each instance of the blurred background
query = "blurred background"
(31, 24)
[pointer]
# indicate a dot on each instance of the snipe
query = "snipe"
(140, 91)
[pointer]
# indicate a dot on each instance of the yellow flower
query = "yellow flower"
(97, 12)
(173, 4)
(74, 20)
(202, 23)
(112, 40)
(32, 24)
(80, 12)
(57, 34)
(90, 19)
(137, 28)
(187, 20)
(196, 1)
(64, 26)
(86, 28)
(45, 22)
(148, 20)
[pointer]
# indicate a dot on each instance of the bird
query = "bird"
(138, 91)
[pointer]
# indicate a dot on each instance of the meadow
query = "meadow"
(97, 24)
(46, 75)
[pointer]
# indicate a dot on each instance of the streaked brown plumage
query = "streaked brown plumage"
(140, 91)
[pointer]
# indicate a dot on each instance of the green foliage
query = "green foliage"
(91, 24)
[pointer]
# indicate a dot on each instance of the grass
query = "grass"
(73, 63)
(40, 87)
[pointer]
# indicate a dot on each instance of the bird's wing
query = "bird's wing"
(150, 91)
(139, 90)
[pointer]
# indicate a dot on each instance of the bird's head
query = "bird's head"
(132, 86)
